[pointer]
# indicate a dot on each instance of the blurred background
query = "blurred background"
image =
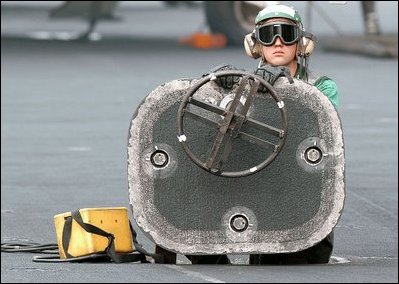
(67, 20)
(73, 73)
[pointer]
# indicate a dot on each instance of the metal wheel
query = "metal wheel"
(234, 118)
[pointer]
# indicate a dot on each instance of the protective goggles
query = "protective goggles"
(267, 34)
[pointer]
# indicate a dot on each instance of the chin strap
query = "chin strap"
(303, 68)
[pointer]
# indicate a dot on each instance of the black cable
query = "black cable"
(29, 247)
(47, 249)
(90, 257)
(52, 249)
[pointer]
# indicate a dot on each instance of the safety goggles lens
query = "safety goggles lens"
(267, 34)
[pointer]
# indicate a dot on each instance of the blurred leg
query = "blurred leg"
(209, 259)
(169, 257)
(319, 253)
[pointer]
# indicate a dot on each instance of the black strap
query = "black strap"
(66, 235)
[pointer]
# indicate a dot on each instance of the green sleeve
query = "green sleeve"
(329, 88)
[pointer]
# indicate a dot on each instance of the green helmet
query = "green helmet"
(278, 11)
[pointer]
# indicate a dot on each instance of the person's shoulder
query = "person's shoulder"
(325, 82)
(317, 79)
(328, 87)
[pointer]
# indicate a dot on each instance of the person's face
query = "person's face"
(279, 54)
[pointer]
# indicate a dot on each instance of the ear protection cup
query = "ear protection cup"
(306, 45)
(252, 47)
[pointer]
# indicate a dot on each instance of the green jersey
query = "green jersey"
(329, 88)
(325, 85)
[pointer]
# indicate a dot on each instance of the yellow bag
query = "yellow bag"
(93, 230)
(91, 234)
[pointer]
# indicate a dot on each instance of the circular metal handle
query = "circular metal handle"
(234, 117)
